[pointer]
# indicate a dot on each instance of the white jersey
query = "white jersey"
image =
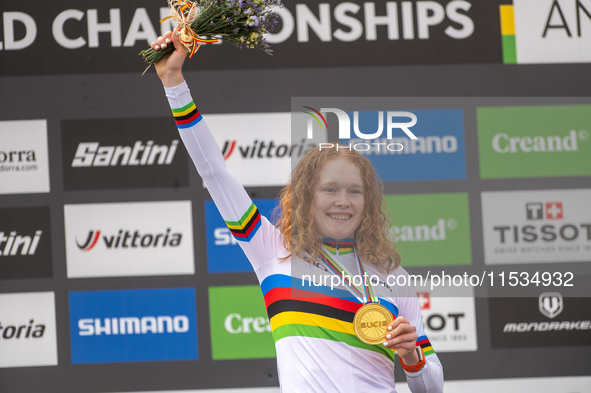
(317, 350)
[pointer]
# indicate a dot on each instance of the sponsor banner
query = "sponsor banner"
(27, 329)
(546, 321)
(223, 252)
(546, 31)
(133, 325)
(449, 321)
(24, 162)
(25, 243)
(260, 147)
(335, 33)
(534, 141)
(538, 385)
(536, 226)
(431, 229)
(240, 328)
(129, 239)
(437, 153)
(122, 153)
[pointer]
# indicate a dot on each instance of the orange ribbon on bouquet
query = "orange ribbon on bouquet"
(184, 12)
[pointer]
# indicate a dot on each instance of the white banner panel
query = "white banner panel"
(449, 317)
(536, 226)
(258, 147)
(552, 31)
(129, 239)
(24, 164)
(27, 330)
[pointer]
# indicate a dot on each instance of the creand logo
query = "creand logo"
(345, 127)
(129, 239)
(503, 143)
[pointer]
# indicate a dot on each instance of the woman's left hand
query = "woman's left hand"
(402, 336)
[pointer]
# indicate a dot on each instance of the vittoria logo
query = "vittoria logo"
(93, 154)
(27, 329)
(31, 330)
(551, 304)
(107, 153)
(265, 149)
(130, 239)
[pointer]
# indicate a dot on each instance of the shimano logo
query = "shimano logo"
(133, 325)
(93, 154)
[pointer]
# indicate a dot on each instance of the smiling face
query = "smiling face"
(338, 200)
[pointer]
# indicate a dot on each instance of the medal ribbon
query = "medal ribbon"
(365, 296)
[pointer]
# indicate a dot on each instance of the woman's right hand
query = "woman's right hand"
(170, 68)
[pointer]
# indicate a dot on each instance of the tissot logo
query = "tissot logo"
(548, 210)
(449, 318)
(551, 304)
(129, 239)
(108, 153)
(25, 243)
(27, 329)
(534, 226)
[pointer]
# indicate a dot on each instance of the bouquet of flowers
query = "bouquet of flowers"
(241, 23)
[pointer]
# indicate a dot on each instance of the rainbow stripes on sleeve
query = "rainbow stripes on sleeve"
(245, 228)
(187, 116)
(424, 343)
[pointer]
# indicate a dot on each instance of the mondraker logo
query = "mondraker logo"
(260, 149)
(130, 239)
(551, 304)
(93, 154)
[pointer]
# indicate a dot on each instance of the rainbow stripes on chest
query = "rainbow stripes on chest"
(187, 116)
(295, 311)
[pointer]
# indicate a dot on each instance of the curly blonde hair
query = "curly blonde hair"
(372, 240)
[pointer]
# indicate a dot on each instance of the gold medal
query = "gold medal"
(371, 323)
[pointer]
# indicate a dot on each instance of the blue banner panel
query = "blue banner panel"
(224, 255)
(438, 153)
(133, 325)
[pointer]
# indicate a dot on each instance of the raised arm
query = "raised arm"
(257, 237)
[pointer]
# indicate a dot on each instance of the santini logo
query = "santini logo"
(14, 243)
(133, 325)
(22, 331)
(93, 154)
(129, 239)
(265, 149)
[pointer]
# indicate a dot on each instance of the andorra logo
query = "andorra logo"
(551, 304)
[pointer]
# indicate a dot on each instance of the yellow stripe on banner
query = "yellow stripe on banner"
(302, 318)
(246, 221)
(179, 114)
(507, 20)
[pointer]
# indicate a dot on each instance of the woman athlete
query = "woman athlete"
(331, 215)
